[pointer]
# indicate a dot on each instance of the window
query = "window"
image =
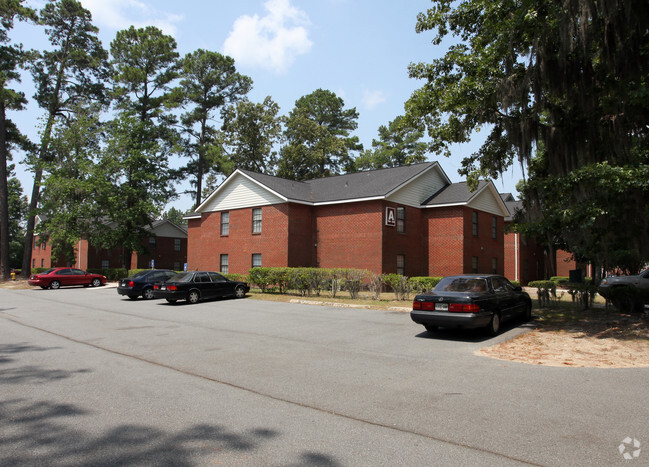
(256, 260)
(176, 268)
(475, 223)
(401, 220)
(177, 244)
(224, 264)
(256, 221)
(401, 264)
(494, 265)
(33, 263)
(105, 264)
(474, 265)
(225, 223)
(494, 227)
(152, 243)
(42, 263)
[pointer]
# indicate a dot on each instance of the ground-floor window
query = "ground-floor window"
(494, 265)
(401, 264)
(176, 266)
(224, 264)
(105, 264)
(474, 265)
(256, 260)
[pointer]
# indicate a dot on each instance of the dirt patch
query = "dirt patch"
(597, 338)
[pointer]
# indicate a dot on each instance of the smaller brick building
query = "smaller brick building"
(166, 247)
(410, 220)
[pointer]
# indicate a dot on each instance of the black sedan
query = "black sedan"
(199, 285)
(471, 301)
(141, 283)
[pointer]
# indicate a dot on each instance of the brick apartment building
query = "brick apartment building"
(410, 220)
(166, 246)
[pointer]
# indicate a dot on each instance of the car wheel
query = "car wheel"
(95, 283)
(240, 291)
(527, 314)
(193, 297)
(172, 300)
(431, 327)
(55, 285)
(147, 294)
(494, 325)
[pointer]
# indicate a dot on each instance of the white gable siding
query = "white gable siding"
(485, 201)
(419, 190)
(168, 230)
(240, 192)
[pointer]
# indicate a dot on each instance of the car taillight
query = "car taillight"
(156, 287)
(464, 307)
(131, 284)
(425, 306)
(172, 287)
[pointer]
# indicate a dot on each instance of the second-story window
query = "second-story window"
(177, 244)
(475, 223)
(256, 221)
(401, 220)
(494, 227)
(225, 223)
(152, 242)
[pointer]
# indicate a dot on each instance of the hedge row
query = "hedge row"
(308, 281)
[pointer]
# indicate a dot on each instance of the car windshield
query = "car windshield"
(181, 277)
(461, 284)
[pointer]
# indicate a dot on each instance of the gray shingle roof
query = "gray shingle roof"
(456, 193)
(360, 185)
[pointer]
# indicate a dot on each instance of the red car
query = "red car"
(57, 277)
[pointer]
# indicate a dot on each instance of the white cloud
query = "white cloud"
(121, 14)
(372, 99)
(272, 42)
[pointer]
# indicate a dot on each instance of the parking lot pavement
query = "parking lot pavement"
(277, 383)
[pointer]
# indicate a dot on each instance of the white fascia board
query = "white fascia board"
(193, 216)
(227, 181)
(345, 201)
(445, 205)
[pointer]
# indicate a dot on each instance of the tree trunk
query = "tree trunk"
(4, 198)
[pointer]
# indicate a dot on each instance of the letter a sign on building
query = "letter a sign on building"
(390, 217)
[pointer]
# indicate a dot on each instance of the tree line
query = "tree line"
(114, 120)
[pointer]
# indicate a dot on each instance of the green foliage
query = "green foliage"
(318, 135)
(400, 285)
(112, 274)
(549, 79)
(424, 284)
(237, 277)
(209, 82)
(251, 132)
(399, 144)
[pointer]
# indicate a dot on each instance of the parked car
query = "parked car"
(199, 285)
(58, 277)
(627, 293)
(471, 301)
(141, 283)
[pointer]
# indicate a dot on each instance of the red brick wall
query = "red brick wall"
(484, 246)
(445, 240)
(301, 236)
(531, 259)
(411, 244)
(206, 248)
(164, 254)
(350, 236)
(41, 254)
(565, 263)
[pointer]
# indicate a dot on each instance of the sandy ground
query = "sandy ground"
(563, 336)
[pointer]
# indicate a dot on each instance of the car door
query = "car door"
(504, 296)
(79, 277)
(203, 283)
(222, 286)
(64, 276)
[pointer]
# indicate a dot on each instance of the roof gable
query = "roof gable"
(484, 198)
(238, 191)
(166, 228)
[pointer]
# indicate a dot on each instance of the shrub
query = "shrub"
(424, 284)
(237, 277)
(112, 274)
(261, 277)
(353, 281)
(376, 285)
(400, 285)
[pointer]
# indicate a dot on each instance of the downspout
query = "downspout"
(516, 273)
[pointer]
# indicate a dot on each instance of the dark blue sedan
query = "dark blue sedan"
(141, 283)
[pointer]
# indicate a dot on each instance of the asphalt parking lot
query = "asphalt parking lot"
(89, 377)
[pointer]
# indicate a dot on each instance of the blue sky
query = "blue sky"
(358, 49)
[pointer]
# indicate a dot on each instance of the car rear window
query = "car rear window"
(182, 277)
(461, 284)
